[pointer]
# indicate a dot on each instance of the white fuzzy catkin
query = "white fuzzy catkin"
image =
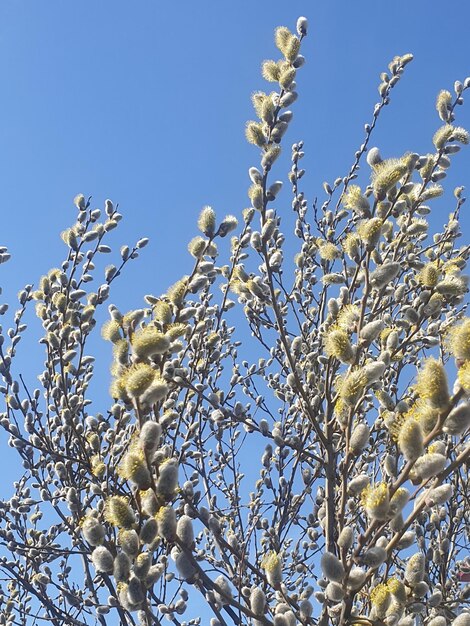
(458, 419)
(184, 531)
(150, 436)
(439, 495)
(359, 438)
(356, 578)
(102, 559)
(346, 538)
(257, 601)
(224, 596)
(93, 531)
(371, 331)
(374, 556)
(462, 620)
(332, 567)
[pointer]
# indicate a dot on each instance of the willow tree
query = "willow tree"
(315, 475)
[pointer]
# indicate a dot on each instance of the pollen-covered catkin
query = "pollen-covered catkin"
(431, 384)
(166, 521)
(414, 571)
(411, 440)
(272, 566)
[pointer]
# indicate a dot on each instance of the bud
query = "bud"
(384, 274)
(462, 620)
(142, 565)
(102, 560)
(356, 578)
(271, 153)
(346, 538)
(374, 557)
(444, 104)
(302, 26)
(373, 157)
(429, 465)
(80, 202)
(135, 592)
(183, 564)
(399, 500)
(228, 224)
(149, 531)
(149, 502)
(224, 593)
(334, 592)
(332, 568)
(439, 495)
(358, 484)
(371, 331)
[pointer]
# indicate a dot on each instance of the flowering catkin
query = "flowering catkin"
(410, 440)
(272, 566)
(431, 384)
(414, 571)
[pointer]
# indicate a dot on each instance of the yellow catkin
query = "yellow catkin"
(463, 376)
(431, 384)
(337, 345)
(459, 340)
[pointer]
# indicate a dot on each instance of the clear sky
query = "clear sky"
(145, 102)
